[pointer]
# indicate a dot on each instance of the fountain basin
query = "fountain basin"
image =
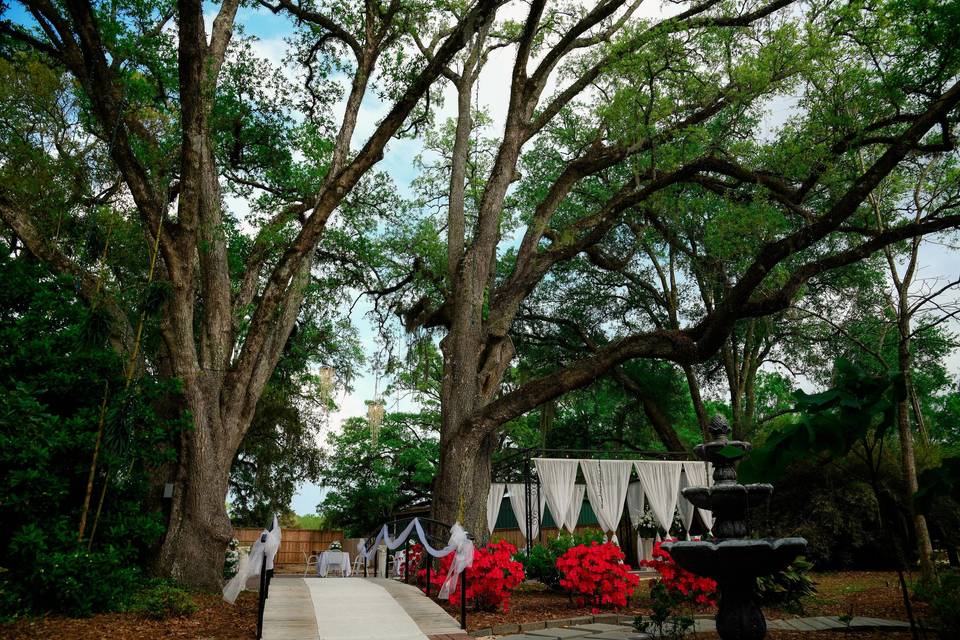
(710, 451)
(740, 559)
(735, 498)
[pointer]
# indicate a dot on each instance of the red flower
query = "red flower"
(597, 574)
(491, 579)
(692, 587)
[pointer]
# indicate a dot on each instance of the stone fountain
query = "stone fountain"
(733, 560)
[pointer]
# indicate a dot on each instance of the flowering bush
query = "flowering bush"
(689, 586)
(597, 575)
(491, 579)
(415, 557)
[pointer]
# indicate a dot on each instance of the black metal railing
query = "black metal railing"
(263, 592)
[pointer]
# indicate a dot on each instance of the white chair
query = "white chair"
(358, 564)
(309, 560)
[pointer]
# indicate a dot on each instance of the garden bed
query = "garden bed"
(856, 593)
(214, 619)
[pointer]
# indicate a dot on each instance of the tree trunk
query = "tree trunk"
(198, 530)
(907, 457)
(697, 398)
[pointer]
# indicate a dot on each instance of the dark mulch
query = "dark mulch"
(824, 635)
(215, 620)
(872, 594)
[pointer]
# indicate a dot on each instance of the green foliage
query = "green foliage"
(939, 482)
(231, 560)
(944, 599)
(670, 616)
(541, 563)
(370, 484)
(311, 521)
(786, 589)
(53, 373)
(76, 583)
(161, 599)
(829, 423)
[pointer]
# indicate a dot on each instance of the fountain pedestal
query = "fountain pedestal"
(734, 560)
(739, 615)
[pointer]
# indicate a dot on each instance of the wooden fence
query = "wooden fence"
(295, 542)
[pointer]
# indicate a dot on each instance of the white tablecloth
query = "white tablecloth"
(335, 559)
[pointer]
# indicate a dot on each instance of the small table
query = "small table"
(333, 559)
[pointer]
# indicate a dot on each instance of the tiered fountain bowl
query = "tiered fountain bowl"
(733, 560)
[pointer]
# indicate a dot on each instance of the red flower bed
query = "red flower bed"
(491, 579)
(679, 581)
(597, 574)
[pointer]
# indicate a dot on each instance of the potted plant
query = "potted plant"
(647, 533)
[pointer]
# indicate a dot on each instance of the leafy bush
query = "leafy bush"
(77, 583)
(597, 575)
(944, 599)
(541, 563)
(787, 588)
(670, 613)
(54, 365)
(231, 560)
(162, 599)
(490, 581)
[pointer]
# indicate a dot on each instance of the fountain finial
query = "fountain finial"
(719, 428)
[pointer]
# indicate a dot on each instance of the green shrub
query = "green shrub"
(55, 363)
(787, 588)
(944, 600)
(541, 564)
(77, 583)
(670, 615)
(161, 599)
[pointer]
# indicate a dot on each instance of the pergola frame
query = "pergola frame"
(518, 465)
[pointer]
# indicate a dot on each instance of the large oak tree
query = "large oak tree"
(149, 78)
(628, 142)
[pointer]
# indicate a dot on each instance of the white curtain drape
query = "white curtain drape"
(519, 506)
(635, 502)
(607, 482)
(697, 476)
(661, 484)
(573, 510)
(557, 480)
(494, 498)
(684, 506)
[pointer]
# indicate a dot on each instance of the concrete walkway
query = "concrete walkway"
(624, 630)
(352, 609)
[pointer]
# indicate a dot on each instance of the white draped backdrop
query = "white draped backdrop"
(609, 488)
(519, 505)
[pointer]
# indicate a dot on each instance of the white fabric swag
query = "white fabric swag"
(573, 510)
(635, 502)
(607, 482)
(558, 478)
(697, 476)
(265, 547)
(519, 506)
(494, 498)
(661, 482)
